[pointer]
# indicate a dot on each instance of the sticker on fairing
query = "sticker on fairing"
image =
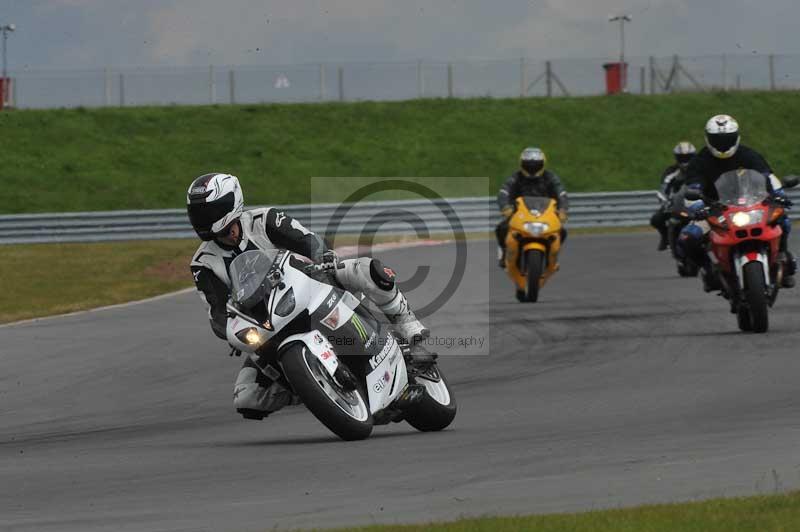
(322, 350)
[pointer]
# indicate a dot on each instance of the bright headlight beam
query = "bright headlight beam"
(252, 337)
(740, 219)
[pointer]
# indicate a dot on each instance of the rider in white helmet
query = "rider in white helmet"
(724, 152)
(215, 206)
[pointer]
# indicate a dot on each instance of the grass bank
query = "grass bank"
(49, 279)
(776, 513)
(143, 158)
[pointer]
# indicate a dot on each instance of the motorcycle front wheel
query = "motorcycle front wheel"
(345, 413)
(756, 296)
(534, 259)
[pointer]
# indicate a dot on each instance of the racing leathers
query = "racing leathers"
(518, 184)
(701, 175)
(255, 395)
(672, 180)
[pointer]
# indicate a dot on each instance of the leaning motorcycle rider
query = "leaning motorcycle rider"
(215, 206)
(723, 153)
(672, 179)
(532, 179)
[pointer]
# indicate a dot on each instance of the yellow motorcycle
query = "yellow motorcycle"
(532, 244)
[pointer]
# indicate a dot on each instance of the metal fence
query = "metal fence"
(420, 217)
(520, 77)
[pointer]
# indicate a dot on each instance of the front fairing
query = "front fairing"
(535, 210)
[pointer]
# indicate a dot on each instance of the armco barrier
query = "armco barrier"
(603, 209)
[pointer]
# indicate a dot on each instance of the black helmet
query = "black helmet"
(213, 202)
(532, 161)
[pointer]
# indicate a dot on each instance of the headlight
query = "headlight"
(249, 336)
(742, 218)
(536, 228)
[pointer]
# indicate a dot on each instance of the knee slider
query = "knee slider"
(383, 277)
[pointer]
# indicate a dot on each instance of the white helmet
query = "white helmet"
(684, 152)
(722, 136)
(214, 201)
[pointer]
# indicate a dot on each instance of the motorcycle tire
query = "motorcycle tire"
(534, 260)
(437, 408)
(743, 319)
(345, 413)
(756, 296)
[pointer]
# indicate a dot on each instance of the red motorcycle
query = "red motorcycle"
(745, 236)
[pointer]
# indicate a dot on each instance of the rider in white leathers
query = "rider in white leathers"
(216, 210)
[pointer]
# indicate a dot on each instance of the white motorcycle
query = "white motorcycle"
(321, 343)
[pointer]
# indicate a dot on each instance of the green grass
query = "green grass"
(132, 158)
(51, 279)
(778, 513)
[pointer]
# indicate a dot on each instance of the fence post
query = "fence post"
(738, 82)
(340, 72)
(652, 75)
(322, 82)
(772, 72)
(548, 78)
(232, 86)
(449, 80)
(523, 81)
(643, 79)
(212, 86)
(121, 89)
(107, 85)
(724, 72)
(420, 80)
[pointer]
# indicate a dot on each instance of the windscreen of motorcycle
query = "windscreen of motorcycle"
(536, 203)
(249, 281)
(742, 188)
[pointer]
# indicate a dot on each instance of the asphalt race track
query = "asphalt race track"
(625, 384)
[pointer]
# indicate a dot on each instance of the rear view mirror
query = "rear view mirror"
(791, 181)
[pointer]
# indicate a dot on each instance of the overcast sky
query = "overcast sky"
(98, 33)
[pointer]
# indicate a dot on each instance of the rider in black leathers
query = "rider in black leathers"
(673, 178)
(532, 179)
(724, 153)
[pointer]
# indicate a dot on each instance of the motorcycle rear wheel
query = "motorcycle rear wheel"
(345, 413)
(437, 408)
(756, 296)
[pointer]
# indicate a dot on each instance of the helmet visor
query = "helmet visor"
(203, 215)
(723, 141)
(683, 158)
(532, 167)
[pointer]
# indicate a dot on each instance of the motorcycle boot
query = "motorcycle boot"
(405, 322)
(790, 268)
(662, 243)
(711, 281)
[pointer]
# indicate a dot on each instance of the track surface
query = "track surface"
(624, 385)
